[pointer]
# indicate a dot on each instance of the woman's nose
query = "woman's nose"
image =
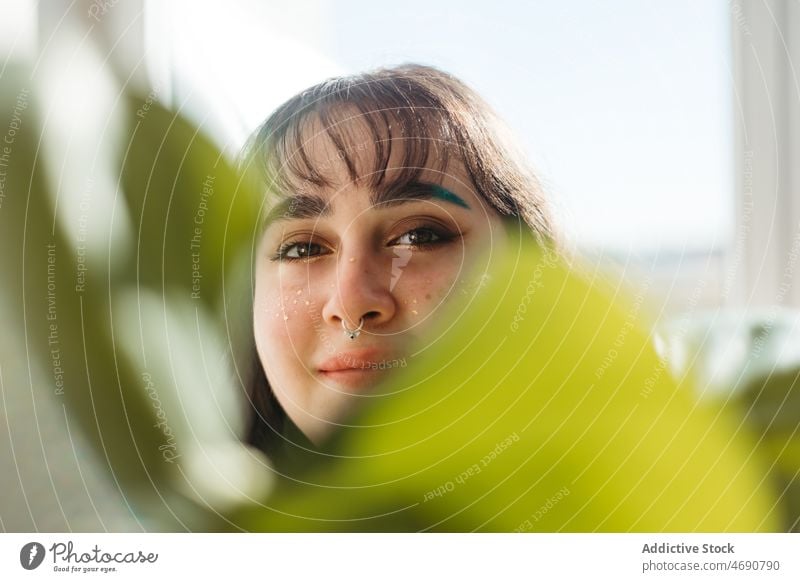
(361, 289)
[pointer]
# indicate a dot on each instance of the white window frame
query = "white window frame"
(765, 262)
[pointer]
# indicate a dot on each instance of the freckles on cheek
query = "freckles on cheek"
(426, 289)
(283, 314)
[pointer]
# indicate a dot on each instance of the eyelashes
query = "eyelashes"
(298, 251)
(421, 238)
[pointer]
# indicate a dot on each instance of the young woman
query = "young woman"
(381, 191)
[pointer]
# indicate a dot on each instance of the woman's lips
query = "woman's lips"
(361, 359)
(353, 379)
(360, 368)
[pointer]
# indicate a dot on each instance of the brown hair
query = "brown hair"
(434, 115)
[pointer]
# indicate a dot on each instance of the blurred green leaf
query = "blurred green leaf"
(769, 405)
(76, 309)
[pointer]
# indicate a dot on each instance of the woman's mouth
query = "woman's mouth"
(359, 369)
(353, 379)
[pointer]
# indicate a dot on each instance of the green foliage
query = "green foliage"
(769, 405)
(108, 315)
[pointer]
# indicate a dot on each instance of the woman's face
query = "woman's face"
(336, 255)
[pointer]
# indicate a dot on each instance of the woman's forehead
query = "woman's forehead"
(350, 147)
(333, 162)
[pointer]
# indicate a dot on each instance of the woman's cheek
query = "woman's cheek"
(284, 313)
(267, 322)
(425, 289)
(286, 338)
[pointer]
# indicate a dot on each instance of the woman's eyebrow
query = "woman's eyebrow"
(415, 191)
(306, 206)
(298, 207)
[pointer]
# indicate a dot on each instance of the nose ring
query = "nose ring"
(353, 333)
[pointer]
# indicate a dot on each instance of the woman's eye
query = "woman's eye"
(418, 237)
(299, 250)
